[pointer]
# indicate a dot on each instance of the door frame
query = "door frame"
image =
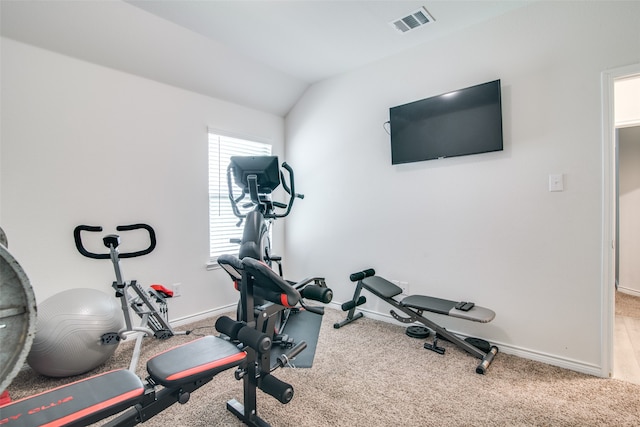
(609, 203)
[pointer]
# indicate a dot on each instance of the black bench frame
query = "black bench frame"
(386, 291)
(92, 399)
(179, 371)
(278, 295)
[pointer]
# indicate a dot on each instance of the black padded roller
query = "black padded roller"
(317, 293)
(229, 327)
(256, 340)
(282, 391)
(350, 304)
(362, 274)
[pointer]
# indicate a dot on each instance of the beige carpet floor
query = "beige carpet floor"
(369, 373)
(627, 305)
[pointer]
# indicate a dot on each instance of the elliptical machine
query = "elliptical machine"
(258, 177)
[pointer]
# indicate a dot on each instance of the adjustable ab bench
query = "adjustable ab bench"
(414, 306)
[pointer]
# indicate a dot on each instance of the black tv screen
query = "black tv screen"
(458, 123)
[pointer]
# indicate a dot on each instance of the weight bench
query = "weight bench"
(180, 371)
(415, 306)
(257, 279)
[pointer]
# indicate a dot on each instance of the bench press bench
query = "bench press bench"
(172, 375)
(414, 306)
(180, 371)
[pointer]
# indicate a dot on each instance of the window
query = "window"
(222, 221)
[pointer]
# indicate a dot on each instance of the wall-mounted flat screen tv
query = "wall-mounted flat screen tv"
(458, 123)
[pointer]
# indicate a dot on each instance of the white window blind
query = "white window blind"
(222, 221)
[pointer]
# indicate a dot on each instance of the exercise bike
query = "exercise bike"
(150, 306)
(257, 177)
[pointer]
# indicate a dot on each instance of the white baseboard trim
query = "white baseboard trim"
(203, 315)
(549, 359)
(629, 291)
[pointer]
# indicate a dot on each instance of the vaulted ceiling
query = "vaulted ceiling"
(262, 54)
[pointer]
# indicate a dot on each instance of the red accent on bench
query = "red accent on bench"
(93, 409)
(233, 359)
(75, 401)
(206, 356)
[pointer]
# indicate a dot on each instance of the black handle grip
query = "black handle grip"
(289, 191)
(313, 309)
(77, 236)
(317, 293)
(78, 239)
(292, 190)
(271, 385)
(284, 359)
(152, 239)
(362, 274)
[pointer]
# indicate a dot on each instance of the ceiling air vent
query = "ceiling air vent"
(412, 21)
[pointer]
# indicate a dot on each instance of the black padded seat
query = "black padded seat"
(381, 286)
(202, 358)
(421, 302)
(79, 403)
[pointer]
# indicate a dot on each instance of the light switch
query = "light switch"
(556, 182)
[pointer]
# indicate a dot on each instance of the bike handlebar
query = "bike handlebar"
(91, 228)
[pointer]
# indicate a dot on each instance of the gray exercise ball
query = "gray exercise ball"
(69, 329)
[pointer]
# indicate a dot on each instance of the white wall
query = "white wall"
(479, 228)
(84, 144)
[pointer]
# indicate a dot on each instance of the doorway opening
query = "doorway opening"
(621, 288)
